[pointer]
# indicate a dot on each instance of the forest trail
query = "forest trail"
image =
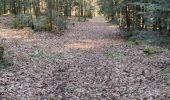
(90, 61)
(93, 34)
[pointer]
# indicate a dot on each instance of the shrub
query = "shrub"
(3, 63)
(149, 50)
(21, 21)
(114, 55)
(168, 73)
(59, 21)
(1, 53)
(135, 42)
(147, 37)
(127, 34)
(41, 24)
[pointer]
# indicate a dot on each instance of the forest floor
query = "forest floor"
(91, 61)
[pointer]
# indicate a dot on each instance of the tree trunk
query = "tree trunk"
(50, 14)
(127, 18)
(85, 8)
(159, 24)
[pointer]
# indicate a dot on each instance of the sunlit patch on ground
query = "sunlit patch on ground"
(88, 44)
(114, 26)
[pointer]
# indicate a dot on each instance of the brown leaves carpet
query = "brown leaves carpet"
(91, 61)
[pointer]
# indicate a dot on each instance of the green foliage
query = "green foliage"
(148, 37)
(168, 21)
(142, 36)
(48, 15)
(38, 53)
(46, 56)
(135, 42)
(21, 21)
(41, 24)
(4, 64)
(107, 8)
(1, 7)
(1, 52)
(168, 73)
(127, 34)
(50, 58)
(90, 10)
(60, 22)
(149, 50)
(114, 55)
(137, 14)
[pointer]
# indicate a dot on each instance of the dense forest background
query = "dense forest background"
(138, 14)
(46, 14)
(130, 14)
(140, 20)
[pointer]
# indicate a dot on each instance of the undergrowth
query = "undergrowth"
(4, 64)
(149, 50)
(41, 23)
(114, 55)
(40, 54)
(148, 37)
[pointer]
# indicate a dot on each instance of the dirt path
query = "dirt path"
(90, 62)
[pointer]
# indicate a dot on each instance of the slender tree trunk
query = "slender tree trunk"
(159, 24)
(85, 8)
(81, 7)
(120, 18)
(127, 18)
(30, 12)
(50, 14)
(79, 12)
(142, 18)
